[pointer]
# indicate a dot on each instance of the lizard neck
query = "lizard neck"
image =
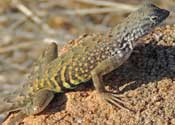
(125, 34)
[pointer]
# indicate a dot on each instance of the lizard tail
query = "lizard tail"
(9, 103)
(5, 107)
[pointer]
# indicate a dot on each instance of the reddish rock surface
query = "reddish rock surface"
(147, 80)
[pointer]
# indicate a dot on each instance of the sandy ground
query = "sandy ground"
(146, 80)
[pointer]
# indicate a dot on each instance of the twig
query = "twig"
(16, 46)
(15, 66)
(27, 12)
(17, 23)
(54, 3)
(111, 4)
(93, 11)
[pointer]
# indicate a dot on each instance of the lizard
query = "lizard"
(89, 57)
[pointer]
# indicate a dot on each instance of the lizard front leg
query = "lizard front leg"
(97, 77)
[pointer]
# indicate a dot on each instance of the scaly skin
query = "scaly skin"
(89, 57)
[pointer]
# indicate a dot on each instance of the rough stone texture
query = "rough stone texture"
(147, 81)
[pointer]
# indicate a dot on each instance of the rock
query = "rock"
(147, 81)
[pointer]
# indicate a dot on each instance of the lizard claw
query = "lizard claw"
(115, 100)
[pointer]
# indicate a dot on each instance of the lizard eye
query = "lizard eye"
(153, 18)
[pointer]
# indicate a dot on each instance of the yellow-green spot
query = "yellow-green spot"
(63, 79)
(58, 88)
(66, 85)
(35, 84)
(41, 83)
(70, 77)
(79, 78)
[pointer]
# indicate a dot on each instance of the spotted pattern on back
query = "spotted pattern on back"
(79, 69)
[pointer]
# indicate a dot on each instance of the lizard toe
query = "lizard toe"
(116, 101)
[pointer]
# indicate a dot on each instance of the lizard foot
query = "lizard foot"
(115, 100)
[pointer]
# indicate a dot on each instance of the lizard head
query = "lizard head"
(150, 15)
(140, 22)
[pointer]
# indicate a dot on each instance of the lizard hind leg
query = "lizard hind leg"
(36, 105)
(48, 55)
(42, 97)
(38, 102)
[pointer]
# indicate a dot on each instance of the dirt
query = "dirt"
(146, 80)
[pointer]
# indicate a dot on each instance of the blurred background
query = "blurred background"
(28, 26)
